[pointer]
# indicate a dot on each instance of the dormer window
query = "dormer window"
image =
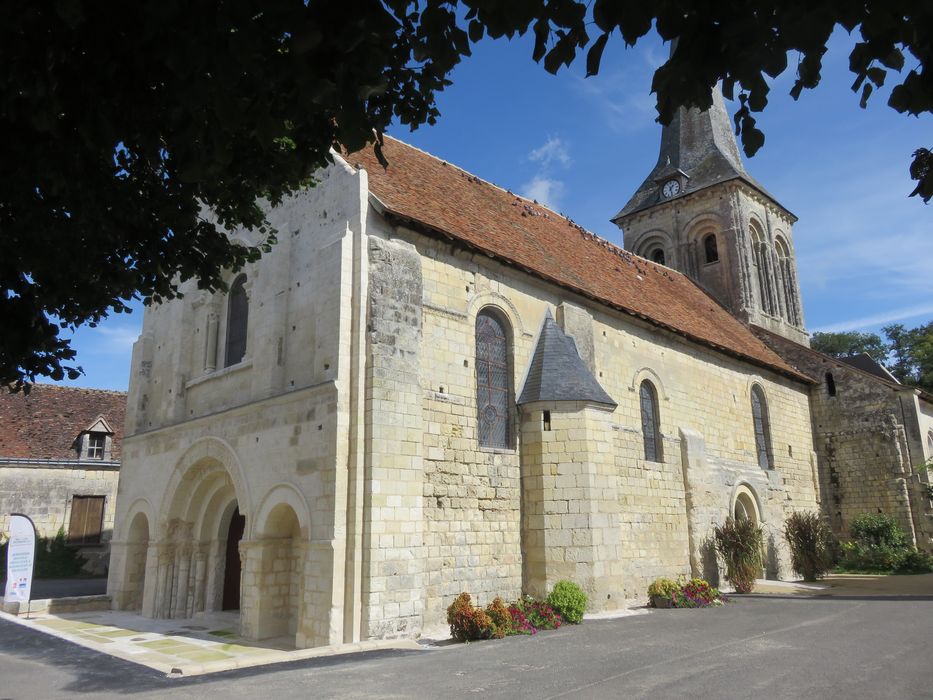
(95, 441)
(95, 445)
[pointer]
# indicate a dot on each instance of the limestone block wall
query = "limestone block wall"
(45, 493)
(471, 496)
(393, 521)
(293, 341)
(868, 443)
(727, 210)
(570, 506)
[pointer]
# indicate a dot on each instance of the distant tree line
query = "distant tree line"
(906, 352)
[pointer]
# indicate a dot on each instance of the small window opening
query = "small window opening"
(830, 384)
(546, 419)
(95, 445)
(657, 255)
(711, 248)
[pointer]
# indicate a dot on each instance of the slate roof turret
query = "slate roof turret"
(557, 372)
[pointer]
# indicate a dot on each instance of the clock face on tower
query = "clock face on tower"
(671, 189)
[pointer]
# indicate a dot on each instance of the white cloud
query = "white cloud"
(114, 340)
(544, 190)
(878, 319)
(553, 151)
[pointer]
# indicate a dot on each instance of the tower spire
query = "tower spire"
(698, 148)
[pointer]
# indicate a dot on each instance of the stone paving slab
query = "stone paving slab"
(836, 585)
(181, 647)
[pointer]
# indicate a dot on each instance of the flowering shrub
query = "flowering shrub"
(695, 593)
(541, 615)
(520, 623)
(569, 600)
(468, 623)
(662, 588)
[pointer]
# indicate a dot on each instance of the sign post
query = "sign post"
(20, 560)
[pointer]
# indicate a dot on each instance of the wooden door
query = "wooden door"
(231, 597)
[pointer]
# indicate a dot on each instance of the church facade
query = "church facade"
(432, 385)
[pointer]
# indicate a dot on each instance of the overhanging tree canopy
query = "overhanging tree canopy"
(124, 123)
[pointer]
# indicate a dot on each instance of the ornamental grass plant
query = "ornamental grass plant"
(810, 541)
(739, 544)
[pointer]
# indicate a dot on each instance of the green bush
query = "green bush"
(877, 529)
(663, 588)
(468, 623)
(54, 557)
(569, 600)
(810, 541)
(879, 546)
(739, 543)
(914, 562)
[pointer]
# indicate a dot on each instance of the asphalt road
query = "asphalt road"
(755, 647)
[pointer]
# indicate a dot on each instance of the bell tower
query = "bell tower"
(701, 213)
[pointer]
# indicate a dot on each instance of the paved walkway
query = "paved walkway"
(210, 643)
(839, 585)
(206, 644)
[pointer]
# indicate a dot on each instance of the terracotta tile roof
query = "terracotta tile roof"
(44, 424)
(440, 198)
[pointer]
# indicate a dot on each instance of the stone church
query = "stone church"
(432, 385)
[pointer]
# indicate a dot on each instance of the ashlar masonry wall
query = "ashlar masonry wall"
(868, 443)
(268, 435)
(45, 493)
(472, 497)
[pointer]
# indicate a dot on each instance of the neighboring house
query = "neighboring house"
(59, 464)
(433, 385)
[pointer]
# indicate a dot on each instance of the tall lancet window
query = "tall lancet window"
(493, 386)
(762, 428)
(650, 428)
(237, 317)
(760, 253)
(786, 281)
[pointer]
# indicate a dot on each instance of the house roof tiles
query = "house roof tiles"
(45, 423)
(444, 200)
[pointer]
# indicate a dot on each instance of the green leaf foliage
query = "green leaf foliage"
(125, 124)
(569, 600)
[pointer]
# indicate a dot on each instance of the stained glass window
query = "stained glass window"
(492, 379)
(649, 422)
(762, 430)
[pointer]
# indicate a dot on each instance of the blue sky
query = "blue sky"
(583, 145)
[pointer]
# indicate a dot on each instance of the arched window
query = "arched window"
(830, 384)
(237, 316)
(493, 385)
(786, 282)
(711, 248)
(762, 428)
(650, 428)
(657, 255)
(760, 255)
